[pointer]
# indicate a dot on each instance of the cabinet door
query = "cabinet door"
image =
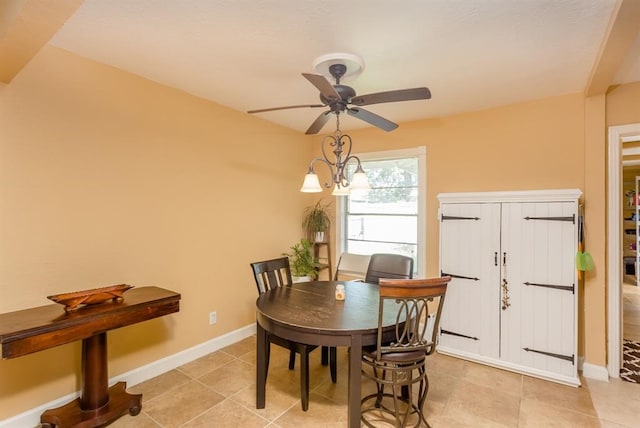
(538, 323)
(469, 247)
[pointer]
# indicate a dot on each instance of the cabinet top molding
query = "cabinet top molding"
(570, 195)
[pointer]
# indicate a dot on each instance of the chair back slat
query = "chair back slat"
(394, 266)
(272, 273)
(413, 301)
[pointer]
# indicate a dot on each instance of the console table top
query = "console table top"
(34, 329)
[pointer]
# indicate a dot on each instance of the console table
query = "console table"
(35, 329)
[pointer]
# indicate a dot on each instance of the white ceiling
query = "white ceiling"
(248, 54)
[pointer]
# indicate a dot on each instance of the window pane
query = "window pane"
(385, 220)
(368, 248)
(386, 201)
(383, 228)
(391, 172)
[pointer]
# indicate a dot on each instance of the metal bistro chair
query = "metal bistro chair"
(393, 266)
(400, 363)
(277, 273)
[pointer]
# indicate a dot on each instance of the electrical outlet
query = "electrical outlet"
(213, 317)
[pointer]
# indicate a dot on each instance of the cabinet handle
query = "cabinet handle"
(495, 258)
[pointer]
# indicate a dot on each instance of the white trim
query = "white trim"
(31, 417)
(421, 153)
(553, 195)
(630, 139)
(595, 372)
(617, 134)
(422, 213)
(580, 363)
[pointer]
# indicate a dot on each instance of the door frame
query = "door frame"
(617, 135)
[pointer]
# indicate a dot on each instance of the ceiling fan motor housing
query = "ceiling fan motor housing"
(345, 92)
(338, 97)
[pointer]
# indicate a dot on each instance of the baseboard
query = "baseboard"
(592, 371)
(31, 418)
(580, 363)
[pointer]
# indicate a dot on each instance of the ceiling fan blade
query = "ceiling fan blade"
(392, 96)
(324, 86)
(372, 118)
(284, 108)
(317, 124)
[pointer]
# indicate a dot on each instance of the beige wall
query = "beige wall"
(593, 289)
(108, 178)
(623, 104)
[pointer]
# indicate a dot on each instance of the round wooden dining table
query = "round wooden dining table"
(308, 312)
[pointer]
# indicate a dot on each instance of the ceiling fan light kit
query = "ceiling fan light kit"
(340, 144)
(339, 99)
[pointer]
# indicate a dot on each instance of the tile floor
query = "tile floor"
(218, 390)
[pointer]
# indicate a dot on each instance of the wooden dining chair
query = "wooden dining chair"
(398, 363)
(274, 273)
(393, 266)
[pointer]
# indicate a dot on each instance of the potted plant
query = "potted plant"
(316, 221)
(303, 264)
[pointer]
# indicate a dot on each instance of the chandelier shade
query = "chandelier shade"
(340, 191)
(360, 180)
(311, 183)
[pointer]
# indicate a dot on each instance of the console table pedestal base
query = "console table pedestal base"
(71, 414)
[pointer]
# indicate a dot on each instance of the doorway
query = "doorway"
(618, 135)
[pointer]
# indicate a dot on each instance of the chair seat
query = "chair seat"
(393, 357)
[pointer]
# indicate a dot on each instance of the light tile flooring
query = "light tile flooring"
(218, 390)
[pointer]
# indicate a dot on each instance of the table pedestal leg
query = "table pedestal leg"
(261, 366)
(355, 384)
(98, 404)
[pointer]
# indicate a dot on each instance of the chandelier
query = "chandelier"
(340, 144)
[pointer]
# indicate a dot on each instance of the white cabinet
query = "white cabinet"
(512, 302)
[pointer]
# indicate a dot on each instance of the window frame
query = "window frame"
(420, 153)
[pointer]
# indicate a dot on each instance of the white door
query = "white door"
(469, 252)
(538, 310)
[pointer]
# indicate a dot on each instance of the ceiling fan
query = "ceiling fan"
(341, 98)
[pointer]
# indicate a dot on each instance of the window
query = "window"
(391, 217)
